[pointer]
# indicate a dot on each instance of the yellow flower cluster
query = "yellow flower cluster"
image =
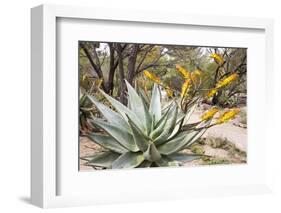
(197, 72)
(228, 115)
(195, 75)
(227, 80)
(152, 77)
(186, 85)
(217, 58)
(183, 71)
(157, 80)
(209, 114)
(212, 92)
(190, 78)
(222, 83)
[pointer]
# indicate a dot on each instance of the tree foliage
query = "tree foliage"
(108, 65)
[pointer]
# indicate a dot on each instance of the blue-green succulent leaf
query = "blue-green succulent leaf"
(177, 126)
(188, 114)
(169, 126)
(144, 97)
(107, 142)
(148, 118)
(104, 159)
(178, 143)
(163, 118)
(137, 105)
(110, 115)
(199, 135)
(122, 136)
(140, 139)
(128, 160)
(152, 153)
(159, 127)
(155, 103)
(123, 110)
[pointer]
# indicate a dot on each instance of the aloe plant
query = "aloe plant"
(142, 134)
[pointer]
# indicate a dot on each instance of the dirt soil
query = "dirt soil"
(87, 148)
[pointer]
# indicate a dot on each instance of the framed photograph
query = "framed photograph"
(131, 106)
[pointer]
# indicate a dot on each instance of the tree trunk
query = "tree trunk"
(123, 98)
(132, 63)
(112, 67)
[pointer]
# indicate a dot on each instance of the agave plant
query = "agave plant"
(142, 134)
(85, 112)
(86, 108)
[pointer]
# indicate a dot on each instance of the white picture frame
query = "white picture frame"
(45, 171)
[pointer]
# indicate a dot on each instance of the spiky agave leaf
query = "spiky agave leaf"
(140, 139)
(104, 159)
(108, 142)
(141, 135)
(137, 106)
(152, 154)
(111, 116)
(123, 110)
(124, 137)
(181, 141)
(128, 160)
(169, 126)
(155, 103)
(148, 117)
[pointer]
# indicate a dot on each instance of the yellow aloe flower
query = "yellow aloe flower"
(185, 87)
(152, 77)
(209, 114)
(212, 92)
(183, 71)
(197, 72)
(217, 58)
(228, 115)
(195, 75)
(227, 80)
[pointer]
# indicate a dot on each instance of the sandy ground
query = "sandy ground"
(233, 133)
(87, 148)
(229, 130)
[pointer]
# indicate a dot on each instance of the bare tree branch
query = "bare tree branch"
(96, 68)
(144, 56)
(153, 63)
(132, 62)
